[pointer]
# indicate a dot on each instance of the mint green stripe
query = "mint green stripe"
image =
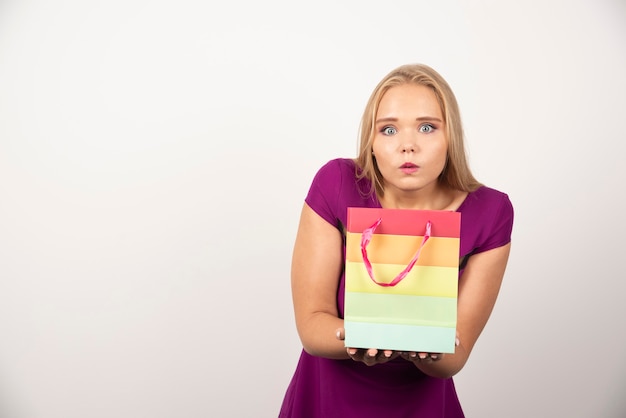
(400, 337)
(400, 309)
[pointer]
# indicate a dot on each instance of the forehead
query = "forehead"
(414, 100)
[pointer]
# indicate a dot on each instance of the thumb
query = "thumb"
(340, 334)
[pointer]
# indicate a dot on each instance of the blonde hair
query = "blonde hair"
(456, 173)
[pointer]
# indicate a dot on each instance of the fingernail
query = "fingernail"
(338, 334)
(457, 342)
(433, 356)
(352, 351)
(422, 356)
(387, 354)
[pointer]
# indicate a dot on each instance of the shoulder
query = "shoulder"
(486, 202)
(486, 219)
(334, 175)
(485, 197)
(335, 187)
(328, 187)
(337, 167)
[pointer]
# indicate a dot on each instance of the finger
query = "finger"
(356, 354)
(370, 357)
(372, 352)
(340, 334)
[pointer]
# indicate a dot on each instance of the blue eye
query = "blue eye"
(388, 130)
(426, 128)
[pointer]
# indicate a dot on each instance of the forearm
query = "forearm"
(478, 291)
(318, 334)
(447, 365)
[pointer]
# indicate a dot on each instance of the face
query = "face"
(410, 144)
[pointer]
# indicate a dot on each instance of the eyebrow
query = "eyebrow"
(420, 119)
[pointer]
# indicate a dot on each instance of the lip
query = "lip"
(409, 168)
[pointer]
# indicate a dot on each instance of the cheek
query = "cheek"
(381, 156)
(441, 151)
(382, 148)
(444, 153)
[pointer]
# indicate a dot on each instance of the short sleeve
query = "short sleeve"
(501, 227)
(325, 190)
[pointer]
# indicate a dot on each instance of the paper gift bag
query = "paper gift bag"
(402, 279)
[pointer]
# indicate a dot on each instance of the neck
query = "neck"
(436, 198)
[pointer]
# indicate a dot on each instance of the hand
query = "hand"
(421, 358)
(369, 356)
(425, 358)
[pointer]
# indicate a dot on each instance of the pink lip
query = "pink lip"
(409, 168)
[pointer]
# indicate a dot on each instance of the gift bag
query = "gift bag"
(401, 279)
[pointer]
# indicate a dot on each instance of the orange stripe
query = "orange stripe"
(400, 249)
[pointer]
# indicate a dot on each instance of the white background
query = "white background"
(154, 157)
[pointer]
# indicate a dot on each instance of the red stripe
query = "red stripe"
(405, 221)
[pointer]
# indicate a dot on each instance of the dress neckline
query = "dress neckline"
(458, 209)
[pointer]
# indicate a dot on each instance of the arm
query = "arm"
(315, 270)
(478, 290)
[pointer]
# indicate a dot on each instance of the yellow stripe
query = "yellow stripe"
(400, 249)
(421, 280)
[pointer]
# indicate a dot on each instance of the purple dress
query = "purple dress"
(324, 388)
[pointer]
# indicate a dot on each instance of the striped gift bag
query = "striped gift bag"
(402, 279)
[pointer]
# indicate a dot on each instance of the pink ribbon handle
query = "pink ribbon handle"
(366, 237)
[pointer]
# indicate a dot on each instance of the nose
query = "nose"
(409, 143)
(408, 148)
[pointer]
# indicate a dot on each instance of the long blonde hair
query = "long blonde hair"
(456, 173)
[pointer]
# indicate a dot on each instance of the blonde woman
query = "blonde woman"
(411, 156)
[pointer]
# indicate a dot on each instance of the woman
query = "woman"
(411, 156)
